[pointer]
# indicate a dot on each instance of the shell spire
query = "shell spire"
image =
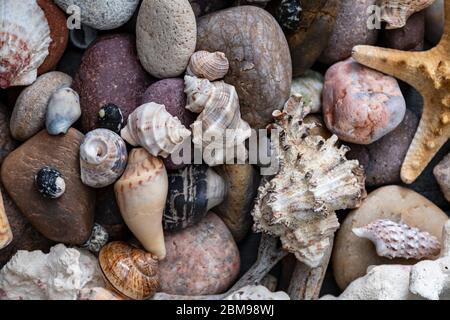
(398, 240)
(211, 66)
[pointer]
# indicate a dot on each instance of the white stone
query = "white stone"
(257, 293)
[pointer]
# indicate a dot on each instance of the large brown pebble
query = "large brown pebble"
(7, 143)
(202, 259)
(260, 62)
(409, 37)
(68, 219)
(110, 73)
(353, 255)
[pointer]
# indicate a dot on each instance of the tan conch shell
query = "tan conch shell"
(397, 12)
(103, 158)
(220, 117)
(211, 66)
(150, 126)
(141, 196)
(24, 41)
(398, 240)
(6, 235)
(315, 179)
(129, 271)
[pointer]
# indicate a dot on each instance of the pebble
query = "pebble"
(410, 37)
(166, 34)
(102, 15)
(201, 260)
(350, 30)
(110, 73)
(352, 255)
(361, 105)
(383, 159)
(442, 174)
(202, 7)
(242, 185)
(7, 143)
(435, 22)
(260, 63)
(28, 116)
(68, 219)
(310, 87)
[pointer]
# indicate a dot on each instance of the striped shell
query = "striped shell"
(211, 66)
(130, 271)
(6, 235)
(397, 12)
(398, 240)
(24, 41)
(103, 158)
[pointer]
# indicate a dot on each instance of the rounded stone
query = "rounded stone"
(102, 14)
(7, 143)
(110, 72)
(201, 260)
(350, 30)
(353, 255)
(58, 32)
(383, 159)
(435, 20)
(260, 62)
(410, 37)
(202, 7)
(28, 116)
(361, 105)
(166, 33)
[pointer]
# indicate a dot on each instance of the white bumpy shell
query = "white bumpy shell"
(398, 240)
(25, 39)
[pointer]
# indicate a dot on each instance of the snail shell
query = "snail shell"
(6, 235)
(130, 271)
(211, 66)
(103, 158)
(50, 183)
(192, 193)
(25, 39)
(110, 117)
(63, 111)
(156, 130)
(141, 196)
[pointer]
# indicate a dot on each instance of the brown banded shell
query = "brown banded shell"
(130, 271)
(211, 66)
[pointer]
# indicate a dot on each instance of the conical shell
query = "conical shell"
(150, 126)
(63, 111)
(141, 196)
(24, 41)
(192, 193)
(219, 125)
(211, 66)
(6, 235)
(315, 179)
(398, 240)
(397, 12)
(103, 158)
(130, 271)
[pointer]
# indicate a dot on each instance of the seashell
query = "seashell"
(63, 111)
(6, 235)
(97, 293)
(82, 38)
(398, 240)
(103, 158)
(50, 183)
(129, 271)
(211, 66)
(156, 130)
(220, 118)
(110, 117)
(310, 87)
(25, 39)
(192, 193)
(397, 12)
(141, 196)
(98, 239)
(314, 180)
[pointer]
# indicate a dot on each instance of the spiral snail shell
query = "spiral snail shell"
(211, 66)
(103, 158)
(129, 271)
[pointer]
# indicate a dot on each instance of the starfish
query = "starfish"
(428, 72)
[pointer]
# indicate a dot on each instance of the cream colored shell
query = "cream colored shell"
(6, 235)
(397, 12)
(211, 66)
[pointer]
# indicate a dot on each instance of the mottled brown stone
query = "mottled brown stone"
(7, 143)
(411, 37)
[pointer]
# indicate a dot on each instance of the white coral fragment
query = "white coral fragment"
(257, 293)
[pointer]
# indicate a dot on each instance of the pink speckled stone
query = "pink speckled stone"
(361, 105)
(202, 259)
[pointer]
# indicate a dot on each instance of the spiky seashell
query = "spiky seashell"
(141, 196)
(397, 12)
(63, 110)
(150, 126)
(211, 66)
(315, 179)
(398, 240)
(25, 39)
(192, 193)
(6, 235)
(103, 158)
(219, 125)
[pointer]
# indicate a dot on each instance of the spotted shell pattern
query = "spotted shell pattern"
(211, 66)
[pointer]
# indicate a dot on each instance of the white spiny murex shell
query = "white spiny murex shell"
(315, 179)
(103, 158)
(150, 126)
(398, 240)
(220, 117)
(397, 12)
(211, 66)
(24, 39)
(63, 111)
